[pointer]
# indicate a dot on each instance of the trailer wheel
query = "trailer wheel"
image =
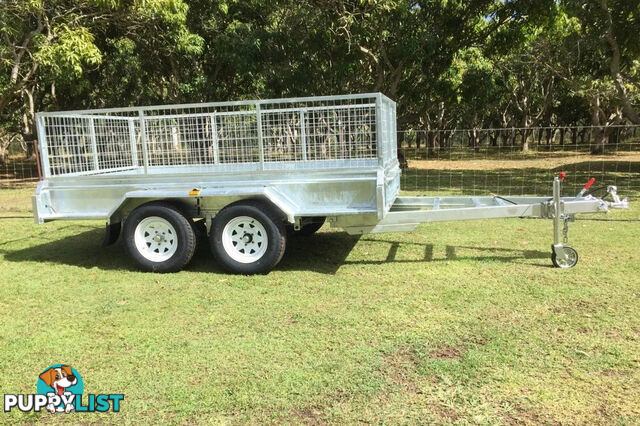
(159, 238)
(247, 238)
(565, 257)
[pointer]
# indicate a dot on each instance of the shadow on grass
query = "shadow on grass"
(82, 249)
(323, 253)
(497, 254)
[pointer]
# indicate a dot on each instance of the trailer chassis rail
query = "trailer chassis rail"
(408, 212)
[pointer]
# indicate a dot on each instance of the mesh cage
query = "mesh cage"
(306, 133)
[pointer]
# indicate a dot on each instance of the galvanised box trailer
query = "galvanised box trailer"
(249, 175)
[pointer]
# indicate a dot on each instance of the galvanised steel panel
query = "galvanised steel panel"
(322, 156)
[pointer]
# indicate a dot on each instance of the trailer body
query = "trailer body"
(324, 156)
(330, 157)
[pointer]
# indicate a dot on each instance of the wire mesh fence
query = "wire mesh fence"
(519, 161)
(468, 162)
(17, 163)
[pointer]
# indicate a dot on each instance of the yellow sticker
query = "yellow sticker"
(194, 192)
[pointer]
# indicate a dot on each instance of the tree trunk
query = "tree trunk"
(400, 140)
(599, 136)
(525, 140)
(483, 137)
(550, 134)
(474, 139)
(28, 122)
(445, 140)
(493, 138)
(583, 134)
(432, 143)
(5, 143)
(614, 137)
(540, 132)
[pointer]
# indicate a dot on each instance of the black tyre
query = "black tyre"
(566, 258)
(248, 238)
(309, 227)
(159, 238)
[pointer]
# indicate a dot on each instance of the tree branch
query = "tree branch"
(22, 49)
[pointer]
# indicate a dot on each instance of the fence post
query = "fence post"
(42, 142)
(394, 133)
(94, 145)
(379, 135)
(303, 136)
(214, 137)
(132, 141)
(143, 140)
(35, 150)
(260, 141)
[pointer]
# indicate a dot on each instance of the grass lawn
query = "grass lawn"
(455, 322)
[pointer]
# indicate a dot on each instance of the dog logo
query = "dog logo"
(63, 381)
(60, 390)
(59, 378)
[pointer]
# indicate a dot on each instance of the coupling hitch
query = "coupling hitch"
(563, 255)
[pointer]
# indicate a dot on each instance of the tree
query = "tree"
(448, 63)
(49, 46)
(605, 47)
(40, 39)
(615, 24)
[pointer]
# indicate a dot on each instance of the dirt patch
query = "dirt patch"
(316, 414)
(446, 413)
(312, 415)
(522, 416)
(447, 352)
(610, 372)
(290, 321)
(457, 352)
(477, 340)
(399, 367)
(572, 307)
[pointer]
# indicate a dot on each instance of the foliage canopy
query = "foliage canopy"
(448, 63)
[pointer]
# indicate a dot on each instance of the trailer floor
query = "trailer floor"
(455, 322)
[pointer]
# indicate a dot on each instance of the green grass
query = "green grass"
(455, 322)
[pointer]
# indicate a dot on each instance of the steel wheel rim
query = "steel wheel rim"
(244, 239)
(156, 239)
(568, 259)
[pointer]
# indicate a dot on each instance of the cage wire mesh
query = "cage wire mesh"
(325, 132)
